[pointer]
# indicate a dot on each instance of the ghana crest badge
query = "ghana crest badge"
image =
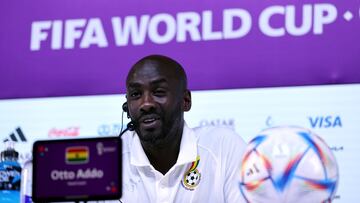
(192, 176)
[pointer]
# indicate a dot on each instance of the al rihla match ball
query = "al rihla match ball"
(288, 165)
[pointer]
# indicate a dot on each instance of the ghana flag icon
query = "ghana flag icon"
(77, 155)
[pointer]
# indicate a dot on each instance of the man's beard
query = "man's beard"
(160, 137)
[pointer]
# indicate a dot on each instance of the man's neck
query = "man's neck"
(164, 157)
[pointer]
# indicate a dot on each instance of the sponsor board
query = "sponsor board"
(330, 111)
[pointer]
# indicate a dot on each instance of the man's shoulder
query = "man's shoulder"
(127, 139)
(218, 138)
(215, 132)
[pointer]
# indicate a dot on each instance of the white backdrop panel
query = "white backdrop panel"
(330, 111)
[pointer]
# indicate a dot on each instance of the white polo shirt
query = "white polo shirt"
(214, 178)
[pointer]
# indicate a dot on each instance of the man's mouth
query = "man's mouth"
(150, 121)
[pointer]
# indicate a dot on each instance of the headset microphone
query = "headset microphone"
(130, 126)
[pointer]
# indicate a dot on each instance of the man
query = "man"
(164, 160)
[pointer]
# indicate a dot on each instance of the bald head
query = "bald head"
(161, 65)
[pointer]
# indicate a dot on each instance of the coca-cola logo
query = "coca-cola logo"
(72, 131)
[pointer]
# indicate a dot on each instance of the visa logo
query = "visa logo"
(325, 121)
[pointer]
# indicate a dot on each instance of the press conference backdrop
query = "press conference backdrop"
(75, 48)
(330, 111)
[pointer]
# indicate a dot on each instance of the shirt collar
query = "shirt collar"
(188, 149)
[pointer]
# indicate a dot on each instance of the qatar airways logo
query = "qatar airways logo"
(192, 26)
(218, 122)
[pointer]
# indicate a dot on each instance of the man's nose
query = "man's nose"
(148, 103)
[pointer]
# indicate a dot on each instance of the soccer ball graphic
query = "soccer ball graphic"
(192, 179)
(287, 165)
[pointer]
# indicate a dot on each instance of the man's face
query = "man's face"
(155, 102)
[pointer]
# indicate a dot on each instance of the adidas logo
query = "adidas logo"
(17, 136)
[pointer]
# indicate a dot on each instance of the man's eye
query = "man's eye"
(160, 92)
(134, 94)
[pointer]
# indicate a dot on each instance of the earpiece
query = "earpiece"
(126, 109)
(131, 125)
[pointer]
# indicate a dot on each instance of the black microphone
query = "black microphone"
(129, 127)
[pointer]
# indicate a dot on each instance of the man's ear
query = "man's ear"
(187, 100)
